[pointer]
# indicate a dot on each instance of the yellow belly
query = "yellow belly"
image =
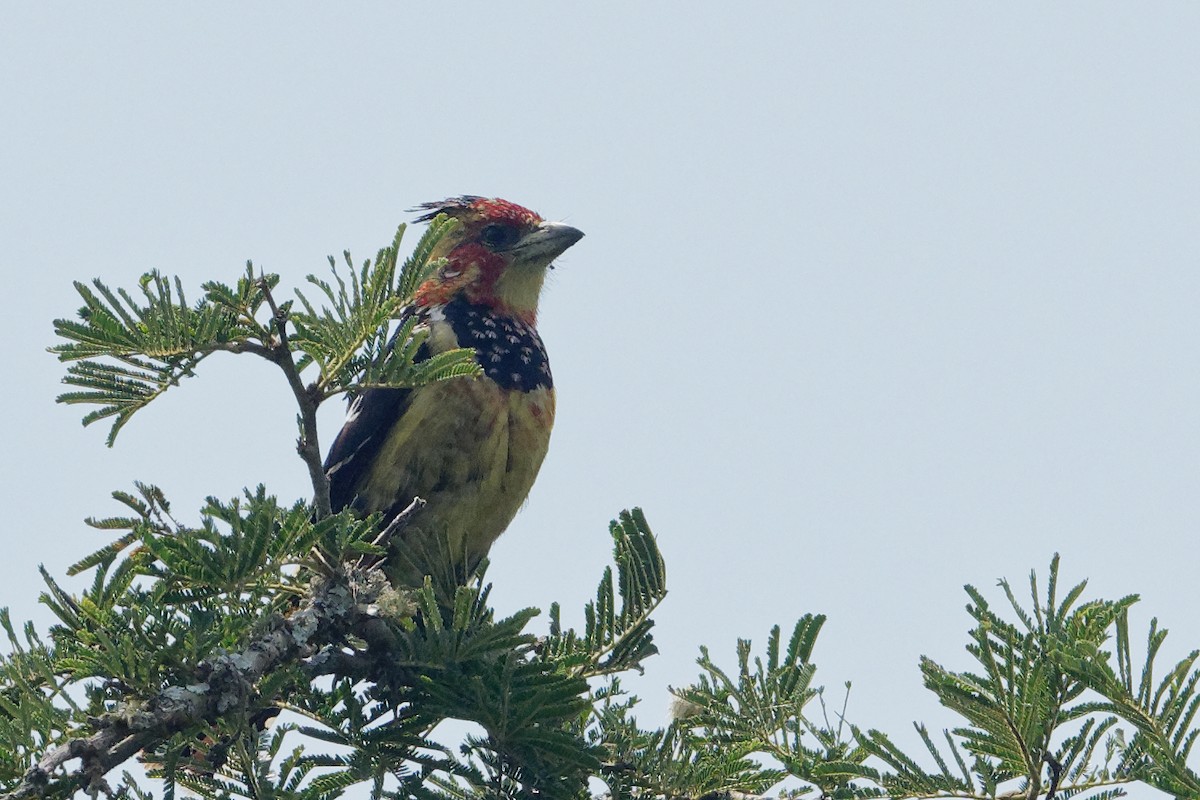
(471, 450)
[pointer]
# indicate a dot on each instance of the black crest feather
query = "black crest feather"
(451, 206)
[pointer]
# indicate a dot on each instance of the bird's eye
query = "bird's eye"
(498, 237)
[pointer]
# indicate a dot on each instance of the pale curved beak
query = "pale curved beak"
(547, 242)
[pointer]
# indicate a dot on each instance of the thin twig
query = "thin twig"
(307, 445)
(384, 538)
(1056, 769)
(239, 346)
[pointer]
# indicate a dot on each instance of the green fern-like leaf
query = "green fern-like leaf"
(617, 625)
(126, 352)
(347, 336)
(1163, 712)
(1026, 720)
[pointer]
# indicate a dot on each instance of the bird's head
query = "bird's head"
(497, 256)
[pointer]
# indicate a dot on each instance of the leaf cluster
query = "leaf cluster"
(167, 599)
(616, 635)
(1039, 717)
(375, 685)
(348, 338)
(1053, 709)
(127, 348)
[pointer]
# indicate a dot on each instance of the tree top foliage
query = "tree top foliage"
(258, 651)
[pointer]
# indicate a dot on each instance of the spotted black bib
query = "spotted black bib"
(509, 350)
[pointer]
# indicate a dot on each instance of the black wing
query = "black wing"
(371, 416)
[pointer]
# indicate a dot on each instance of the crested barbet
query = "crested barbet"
(469, 447)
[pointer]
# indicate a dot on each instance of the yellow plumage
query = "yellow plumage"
(469, 447)
(471, 450)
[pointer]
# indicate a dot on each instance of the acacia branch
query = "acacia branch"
(242, 346)
(307, 399)
(332, 609)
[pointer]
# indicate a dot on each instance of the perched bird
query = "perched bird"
(469, 447)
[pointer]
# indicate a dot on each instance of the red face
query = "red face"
(479, 252)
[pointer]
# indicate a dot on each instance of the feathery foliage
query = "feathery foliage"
(1027, 720)
(1162, 714)
(615, 640)
(1054, 710)
(168, 602)
(150, 345)
(348, 338)
(191, 640)
(125, 352)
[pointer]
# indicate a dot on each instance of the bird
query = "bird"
(469, 447)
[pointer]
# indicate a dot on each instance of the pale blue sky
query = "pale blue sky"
(875, 299)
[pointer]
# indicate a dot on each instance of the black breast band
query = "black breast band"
(509, 350)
